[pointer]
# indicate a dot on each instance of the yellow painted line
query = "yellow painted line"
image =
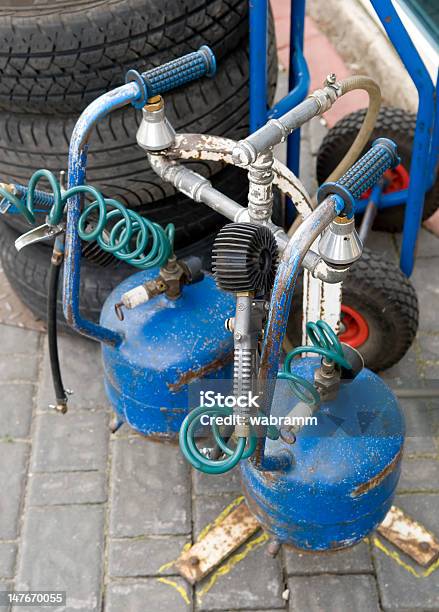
(392, 554)
(177, 587)
(227, 510)
(169, 564)
(228, 565)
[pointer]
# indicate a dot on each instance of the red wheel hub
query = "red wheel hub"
(397, 179)
(356, 329)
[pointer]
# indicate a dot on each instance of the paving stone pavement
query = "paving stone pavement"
(86, 511)
(102, 515)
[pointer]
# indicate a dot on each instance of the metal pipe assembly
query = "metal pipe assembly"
(165, 347)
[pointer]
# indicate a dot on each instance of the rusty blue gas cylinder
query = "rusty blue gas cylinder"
(341, 474)
(167, 345)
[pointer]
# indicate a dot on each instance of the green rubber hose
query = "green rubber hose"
(325, 343)
(196, 458)
(153, 245)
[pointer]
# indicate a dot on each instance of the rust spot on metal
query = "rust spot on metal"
(219, 542)
(191, 375)
(410, 536)
(376, 480)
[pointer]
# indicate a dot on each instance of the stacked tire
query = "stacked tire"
(56, 57)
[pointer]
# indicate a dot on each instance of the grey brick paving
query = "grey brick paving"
(68, 442)
(420, 426)
(418, 418)
(62, 549)
(333, 594)
(148, 595)
(82, 373)
(16, 410)
(247, 575)
(254, 582)
(206, 485)
(17, 341)
(19, 368)
(6, 586)
(13, 462)
(420, 474)
(8, 554)
(425, 281)
(355, 560)
(132, 557)
(58, 488)
(405, 373)
(151, 489)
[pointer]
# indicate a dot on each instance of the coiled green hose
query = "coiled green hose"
(324, 342)
(153, 244)
(196, 458)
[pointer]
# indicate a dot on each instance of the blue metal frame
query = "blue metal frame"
(298, 77)
(98, 109)
(426, 142)
(424, 158)
(136, 91)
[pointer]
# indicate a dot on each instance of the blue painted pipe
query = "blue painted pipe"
(334, 198)
(133, 92)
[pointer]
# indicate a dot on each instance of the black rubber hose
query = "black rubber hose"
(52, 332)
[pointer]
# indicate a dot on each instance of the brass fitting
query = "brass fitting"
(170, 281)
(154, 104)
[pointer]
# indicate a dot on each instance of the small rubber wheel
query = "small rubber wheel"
(379, 314)
(394, 123)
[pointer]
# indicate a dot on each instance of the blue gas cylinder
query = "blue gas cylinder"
(167, 345)
(341, 473)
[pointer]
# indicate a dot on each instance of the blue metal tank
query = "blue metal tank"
(342, 472)
(167, 345)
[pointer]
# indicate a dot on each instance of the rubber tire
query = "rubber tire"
(394, 123)
(116, 164)
(387, 300)
(60, 55)
(28, 274)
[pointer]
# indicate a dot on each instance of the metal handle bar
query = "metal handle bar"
(173, 74)
(363, 175)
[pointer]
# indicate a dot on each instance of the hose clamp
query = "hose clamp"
(326, 97)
